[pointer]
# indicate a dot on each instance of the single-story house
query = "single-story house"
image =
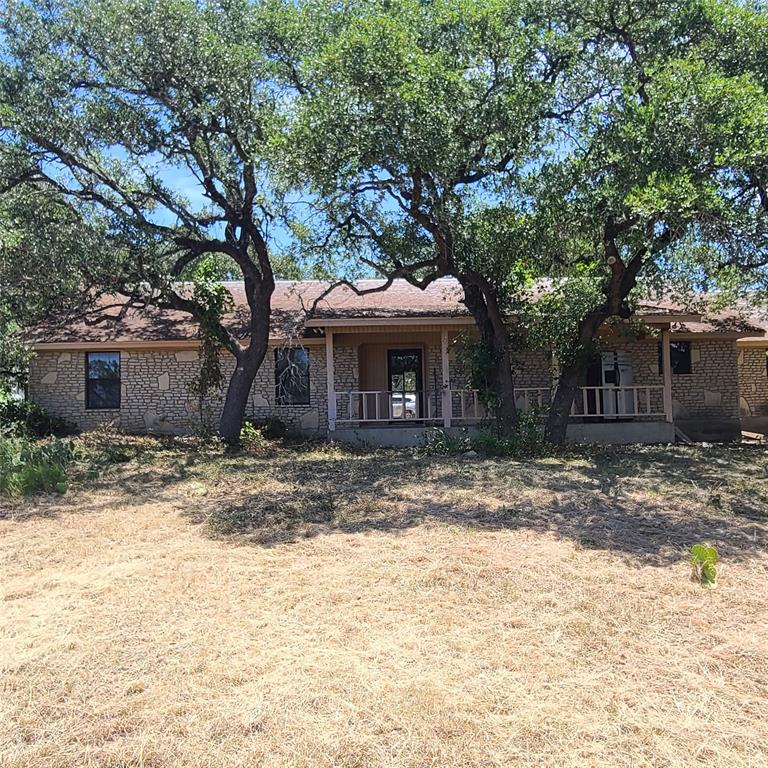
(383, 367)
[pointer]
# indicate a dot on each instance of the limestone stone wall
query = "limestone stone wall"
(156, 385)
(57, 382)
(711, 390)
(346, 373)
(346, 378)
(753, 381)
(155, 392)
(532, 369)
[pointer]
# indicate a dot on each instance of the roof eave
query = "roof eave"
(715, 334)
(332, 322)
(119, 345)
(752, 341)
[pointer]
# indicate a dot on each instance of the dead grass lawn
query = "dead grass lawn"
(321, 608)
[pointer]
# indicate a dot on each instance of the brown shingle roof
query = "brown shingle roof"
(292, 301)
(741, 320)
(757, 320)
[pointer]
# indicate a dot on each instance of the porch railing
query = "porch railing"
(607, 402)
(646, 401)
(417, 406)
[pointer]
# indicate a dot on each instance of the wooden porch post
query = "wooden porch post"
(666, 366)
(446, 378)
(330, 377)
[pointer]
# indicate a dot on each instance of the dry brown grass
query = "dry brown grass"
(322, 608)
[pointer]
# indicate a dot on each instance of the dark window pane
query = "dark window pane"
(404, 370)
(679, 357)
(103, 394)
(404, 362)
(292, 376)
(102, 380)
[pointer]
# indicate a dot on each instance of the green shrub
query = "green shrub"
(22, 418)
(527, 441)
(27, 467)
(252, 437)
(439, 442)
(704, 559)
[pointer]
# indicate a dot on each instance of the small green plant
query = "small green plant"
(704, 561)
(439, 442)
(252, 438)
(527, 441)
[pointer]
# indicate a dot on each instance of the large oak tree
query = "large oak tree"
(416, 121)
(162, 119)
(584, 141)
(666, 170)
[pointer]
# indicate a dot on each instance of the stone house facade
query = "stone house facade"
(753, 379)
(376, 366)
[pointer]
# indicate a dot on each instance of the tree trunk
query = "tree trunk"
(570, 375)
(248, 363)
(560, 409)
(506, 408)
(238, 392)
(622, 279)
(495, 338)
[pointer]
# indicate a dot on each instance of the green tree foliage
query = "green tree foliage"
(418, 119)
(663, 174)
(52, 259)
(604, 145)
(162, 119)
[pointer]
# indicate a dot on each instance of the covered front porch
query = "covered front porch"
(382, 377)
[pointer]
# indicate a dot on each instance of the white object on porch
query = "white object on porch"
(616, 371)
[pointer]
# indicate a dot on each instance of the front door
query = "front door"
(404, 374)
